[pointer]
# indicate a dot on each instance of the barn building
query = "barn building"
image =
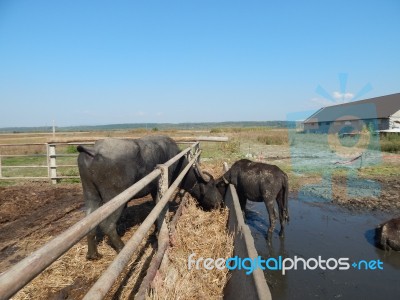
(377, 114)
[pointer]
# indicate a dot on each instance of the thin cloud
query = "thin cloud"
(337, 98)
(319, 102)
(342, 97)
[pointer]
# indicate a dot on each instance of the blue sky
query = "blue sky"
(103, 62)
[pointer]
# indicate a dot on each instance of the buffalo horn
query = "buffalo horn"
(208, 174)
(202, 175)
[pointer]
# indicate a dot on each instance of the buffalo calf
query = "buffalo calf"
(259, 182)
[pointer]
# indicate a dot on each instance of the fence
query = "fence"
(55, 163)
(23, 272)
(47, 159)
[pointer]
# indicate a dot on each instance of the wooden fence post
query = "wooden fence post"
(197, 149)
(1, 175)
(162, 188)
(52, 163)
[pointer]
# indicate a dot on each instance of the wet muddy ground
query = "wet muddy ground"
(318, 228)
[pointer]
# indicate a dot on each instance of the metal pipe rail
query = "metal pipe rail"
(23, 272)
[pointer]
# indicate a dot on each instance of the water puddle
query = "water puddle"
(322, 229)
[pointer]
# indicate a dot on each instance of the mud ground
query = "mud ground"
(37, 209)
(373, 194)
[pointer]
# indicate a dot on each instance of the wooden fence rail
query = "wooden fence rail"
(255, 283)
(23, 272)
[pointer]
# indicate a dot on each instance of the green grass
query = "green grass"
(66, 160)
(272, 139)
(71, 149)
(9, 162)
(240, 129)
(24, 172)
(24, 161)
(387, 143)
(218, 151)
(390, 143)
(385, 169)
(4, 183)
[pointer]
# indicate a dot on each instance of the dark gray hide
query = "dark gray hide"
(388, 235)
(113, 165)
(259, 182)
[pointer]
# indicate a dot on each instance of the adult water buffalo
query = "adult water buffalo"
(388, 235)
(258, 182)
(113, 165)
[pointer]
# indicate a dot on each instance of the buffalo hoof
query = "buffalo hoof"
(94, 256)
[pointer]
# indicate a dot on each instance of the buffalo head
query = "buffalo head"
(207, 193)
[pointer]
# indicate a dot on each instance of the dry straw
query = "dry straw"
(203, 233)
(72, 275)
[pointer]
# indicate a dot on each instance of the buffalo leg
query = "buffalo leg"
(92, 247)
(269, 203)
(242, 202)
(279, 200)
(92, 253)
(109, 225)
(109, 228)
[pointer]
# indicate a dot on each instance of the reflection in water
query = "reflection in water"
(322, 229)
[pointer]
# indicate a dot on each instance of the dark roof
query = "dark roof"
(374, 108)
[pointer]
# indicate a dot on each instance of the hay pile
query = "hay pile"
(72, 275)
(205, 234)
